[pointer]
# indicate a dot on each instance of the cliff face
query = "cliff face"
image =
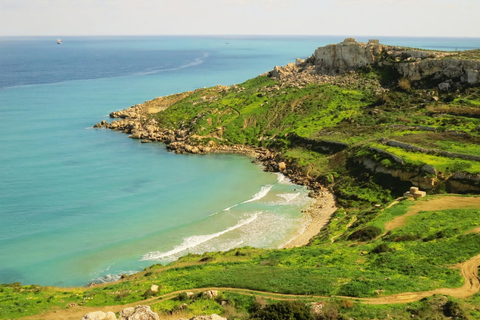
(412, 64)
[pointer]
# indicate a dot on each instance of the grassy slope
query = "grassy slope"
(260, 113)
(416, 257)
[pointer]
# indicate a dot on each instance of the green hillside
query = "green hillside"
(367, 136)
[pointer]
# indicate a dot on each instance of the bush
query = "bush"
(404, 84)
(365, 234)
(183, 297)
(381, 248)
(452, 309)
(356, 288)
(285, 310)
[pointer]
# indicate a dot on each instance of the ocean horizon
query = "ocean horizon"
(81, 205)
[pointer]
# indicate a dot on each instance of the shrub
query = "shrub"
(182, 297)
(365, 234)
(452, 309)
(381, 248)
(404, 84)
(284, 310)
(147, 294)
(356, 288)
(207, 259)
(346, 304)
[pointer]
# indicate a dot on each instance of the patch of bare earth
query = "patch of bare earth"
(441, 203)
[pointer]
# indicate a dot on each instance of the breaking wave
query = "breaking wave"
(259, 195)
(194, 241)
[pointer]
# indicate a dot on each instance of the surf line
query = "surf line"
(194, 241)
(257, 196)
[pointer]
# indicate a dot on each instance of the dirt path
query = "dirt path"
(441, 203)
(468, 270)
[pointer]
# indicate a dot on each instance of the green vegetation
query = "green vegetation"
(363, 261)
(334, 136)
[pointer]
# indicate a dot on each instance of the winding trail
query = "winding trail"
(468, 270)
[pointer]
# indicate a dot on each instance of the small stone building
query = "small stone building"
(414, 193)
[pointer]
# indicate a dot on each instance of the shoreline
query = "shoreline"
(315, 217)
(134, 121)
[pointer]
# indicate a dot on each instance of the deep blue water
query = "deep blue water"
(80, 204)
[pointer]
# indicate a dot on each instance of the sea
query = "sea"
(81, 205)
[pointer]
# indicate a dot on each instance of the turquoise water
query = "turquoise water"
(79, 205)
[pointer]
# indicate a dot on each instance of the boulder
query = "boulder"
(138, 313)
(210, 294)
(210, 317)
(99, 315)
(445, 86)
(154, 288)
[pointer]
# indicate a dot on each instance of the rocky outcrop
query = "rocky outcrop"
(99, 315)
(417, 177)
(461, 182)
(346, 56)
(210, 294)
(447, 68)
(210, 317)
(138, 313)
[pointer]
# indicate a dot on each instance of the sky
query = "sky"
(431, 18)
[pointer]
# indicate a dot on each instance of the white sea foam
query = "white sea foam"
(227, 209)
(194, 241)
(112, 277)
(289, 196)
(259, 195)
(195, 62)
(282, 179)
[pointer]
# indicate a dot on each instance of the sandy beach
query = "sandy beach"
(315, 217)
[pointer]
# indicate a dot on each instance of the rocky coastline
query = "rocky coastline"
(135, 122)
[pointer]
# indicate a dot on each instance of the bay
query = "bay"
(79, 205)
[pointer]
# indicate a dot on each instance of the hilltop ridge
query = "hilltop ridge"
(413, 64)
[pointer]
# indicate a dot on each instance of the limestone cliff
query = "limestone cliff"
(414, 64)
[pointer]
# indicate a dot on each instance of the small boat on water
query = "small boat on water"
(59, 41)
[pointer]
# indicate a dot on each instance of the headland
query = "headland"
(359, 121)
